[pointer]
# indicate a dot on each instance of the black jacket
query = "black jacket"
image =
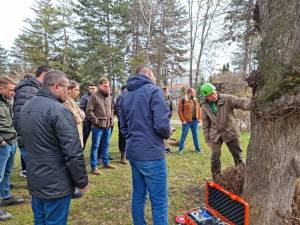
(55, 159)
(24, 91)
(84, 100)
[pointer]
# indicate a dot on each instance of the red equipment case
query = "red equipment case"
(221, 204)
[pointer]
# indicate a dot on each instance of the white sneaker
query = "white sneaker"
(23, 173)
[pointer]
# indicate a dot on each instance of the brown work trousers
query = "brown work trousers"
(234, 148)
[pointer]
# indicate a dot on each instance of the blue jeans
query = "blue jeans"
(7, 155)
(185, 130)
(23, 158)
(51, 212)
(97, 135)
(151, 177)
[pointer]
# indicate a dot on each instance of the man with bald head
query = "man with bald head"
(55, 159)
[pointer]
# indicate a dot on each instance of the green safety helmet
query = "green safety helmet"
(206, 89)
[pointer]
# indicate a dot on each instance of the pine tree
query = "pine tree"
(3, 60)
(241, 30)
(40, 36)
(102, 27)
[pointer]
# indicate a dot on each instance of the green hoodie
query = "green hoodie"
(7, 130)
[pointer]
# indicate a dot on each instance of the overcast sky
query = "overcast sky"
(12, 14)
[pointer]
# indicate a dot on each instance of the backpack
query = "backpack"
(183, 102)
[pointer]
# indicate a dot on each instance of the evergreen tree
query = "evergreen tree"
(3, 60)
(102, 27)
(40, 36)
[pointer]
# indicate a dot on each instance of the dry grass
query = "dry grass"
(108, 200)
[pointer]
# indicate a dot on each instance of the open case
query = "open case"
(221, 208)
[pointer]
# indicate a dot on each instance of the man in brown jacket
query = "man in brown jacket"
(219, 124)
(100, 111)
(189, 112)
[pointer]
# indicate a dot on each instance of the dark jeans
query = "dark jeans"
(7, 155)
(122, 140)
(234, 148)
(23, 158)
(87, 127)
(51, 212)
(149, 176)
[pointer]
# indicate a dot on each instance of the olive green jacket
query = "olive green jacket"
(7, 130)
(222, 124)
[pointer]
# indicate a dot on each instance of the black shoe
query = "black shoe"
(77, 193)
(167, 150)
(12, 200)
(4, 215)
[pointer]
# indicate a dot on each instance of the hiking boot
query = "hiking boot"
(123, 159)
(77, 193)
(109, 166)
(4, 215)
(12, 200)
(96, 172)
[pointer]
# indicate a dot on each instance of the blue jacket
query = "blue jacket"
(144, 119)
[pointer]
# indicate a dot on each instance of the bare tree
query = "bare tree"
(202, 14)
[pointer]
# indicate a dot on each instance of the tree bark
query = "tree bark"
(273, 158)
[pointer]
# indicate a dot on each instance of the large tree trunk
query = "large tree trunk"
(273, 160)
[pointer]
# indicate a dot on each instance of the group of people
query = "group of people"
(52, 131)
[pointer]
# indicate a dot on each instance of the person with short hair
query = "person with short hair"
(55, 159)
(7, 146)
(189, 112)
(218, 124)
(144, 120)
(100, 110)
(87, 124)
(25, 90)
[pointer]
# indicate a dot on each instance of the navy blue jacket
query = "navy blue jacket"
(24, 91)
(144, 119)
(55, 163)
(83, 101)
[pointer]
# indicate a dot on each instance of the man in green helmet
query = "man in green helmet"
(218, 120)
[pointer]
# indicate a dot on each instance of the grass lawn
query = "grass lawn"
(108, 200)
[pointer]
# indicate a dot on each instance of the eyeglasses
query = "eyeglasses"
(63, 85)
